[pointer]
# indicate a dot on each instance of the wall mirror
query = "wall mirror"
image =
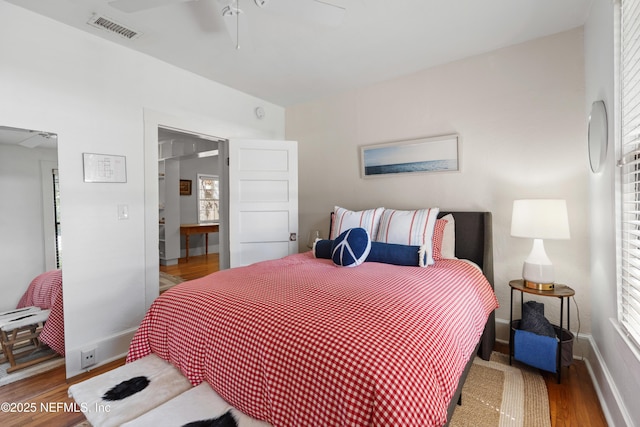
(30, 206)
(598, 136)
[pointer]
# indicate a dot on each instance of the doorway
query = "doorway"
(183, 158)
(264, 156)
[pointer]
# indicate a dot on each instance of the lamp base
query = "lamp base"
(539, 286)
(537, 270)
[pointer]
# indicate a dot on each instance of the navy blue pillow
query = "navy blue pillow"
(351, 248)
(386, 253)
(322, 249)
(391, 253)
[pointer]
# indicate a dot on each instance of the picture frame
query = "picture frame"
(104, 168)
(422, 155)
(185, 187)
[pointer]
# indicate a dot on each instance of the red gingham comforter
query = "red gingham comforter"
(301, 342)
(45, 291)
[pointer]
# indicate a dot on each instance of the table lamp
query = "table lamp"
(539, 219)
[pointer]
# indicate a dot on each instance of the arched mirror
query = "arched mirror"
(598, 136)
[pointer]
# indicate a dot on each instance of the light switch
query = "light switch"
(123, 212)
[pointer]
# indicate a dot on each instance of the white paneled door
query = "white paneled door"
(263, 200)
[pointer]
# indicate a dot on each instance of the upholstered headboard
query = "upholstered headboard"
(474, 239)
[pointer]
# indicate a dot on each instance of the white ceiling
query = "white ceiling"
(288, 60)
(27, 138)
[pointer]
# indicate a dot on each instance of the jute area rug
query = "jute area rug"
(167, 281)
(496, 394)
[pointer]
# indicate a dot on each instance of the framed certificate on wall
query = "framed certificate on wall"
(104, 168)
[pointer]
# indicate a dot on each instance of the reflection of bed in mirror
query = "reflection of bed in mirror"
(371, 342)
(30, 332)
(45, 292)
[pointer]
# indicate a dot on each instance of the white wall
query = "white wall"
(519, 112)
(616, 369)
(97, 96)
(22, 247)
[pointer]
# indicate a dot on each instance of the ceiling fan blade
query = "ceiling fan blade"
(310, 10)
(130, 6)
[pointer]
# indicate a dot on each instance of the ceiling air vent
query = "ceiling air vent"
(102, 22)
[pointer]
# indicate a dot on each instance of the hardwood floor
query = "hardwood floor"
(572, 403)
(197, 266)
(42, 400)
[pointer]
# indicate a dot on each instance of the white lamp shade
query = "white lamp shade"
(540, 219)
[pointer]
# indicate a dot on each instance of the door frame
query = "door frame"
(188, 123)
(152, 121)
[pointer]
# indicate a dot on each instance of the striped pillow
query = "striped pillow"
(344, 219)
(448, 249)
(438, 236)
(413, 228)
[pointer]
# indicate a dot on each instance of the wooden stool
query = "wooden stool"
(11, 315)
(20, 329)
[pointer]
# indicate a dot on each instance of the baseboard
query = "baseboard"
(502, 330)
(609, 394)
(597, 369)
(107, 350)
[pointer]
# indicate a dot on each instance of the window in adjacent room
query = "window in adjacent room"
(629, 294)
(208, 199)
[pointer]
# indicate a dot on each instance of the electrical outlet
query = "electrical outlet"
(87, 358)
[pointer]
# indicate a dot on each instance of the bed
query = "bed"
(45, 292)
(300, 341)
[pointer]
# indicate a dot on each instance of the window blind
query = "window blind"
(629, 296)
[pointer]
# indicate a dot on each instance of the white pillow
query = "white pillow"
(448, 249)
(413, 228)
(344, 219)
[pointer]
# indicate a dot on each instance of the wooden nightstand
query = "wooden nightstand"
(560, 291)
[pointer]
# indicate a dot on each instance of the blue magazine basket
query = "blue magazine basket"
(541, 351)
(535, 350)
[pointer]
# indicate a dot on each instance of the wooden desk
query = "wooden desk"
(188, 229)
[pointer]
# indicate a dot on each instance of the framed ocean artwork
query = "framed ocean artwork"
(433, 154)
